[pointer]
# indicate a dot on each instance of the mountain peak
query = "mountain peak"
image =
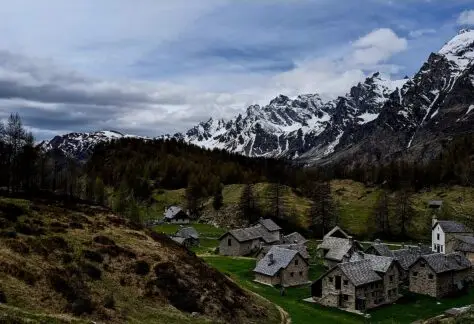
(460, 49)
(465, 30)
(279, 100)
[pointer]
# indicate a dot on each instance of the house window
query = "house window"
(391, 278)
(346, 297)
(430, 276)
(346, 282)
(437, 236)
(229, 242)
(441, 248)
(292, 274)
(296, 262)
(301, 273)
(422, 265)
(330, 279)
(434, 246)
(415, 274)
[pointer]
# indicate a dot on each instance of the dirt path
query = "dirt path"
(285, 317)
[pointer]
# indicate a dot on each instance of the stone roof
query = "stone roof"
(446, 262)
(177, 239)
(334, 230)
(294, 238)
(275, 260)
(270, 225)
(406, 257)
(187, 232)
(382, 249)
(359, 272)
(338, 247)
(172, 212)
(435, 203)
(464, 243)
(378, 263)
(452, 227)
(301, 248)
(251, 233)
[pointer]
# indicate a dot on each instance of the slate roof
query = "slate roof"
(179, 240)
(338, 247)
(406, 257)
(382, 249)
(336, 229)
(281, 259)
(294, 238)
(172, 212)
(378, 263)
(359, 272)
(452, 227)
(446, 262)
(270, 225)
(435, 203)
(188, 232)
(464, 243)
(301, 248)
(251, 233)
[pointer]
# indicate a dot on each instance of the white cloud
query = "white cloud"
(377, 46)
(466, 18)
(421, 32)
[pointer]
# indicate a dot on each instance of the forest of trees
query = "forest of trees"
(124, 174)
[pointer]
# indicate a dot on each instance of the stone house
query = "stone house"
(349, 285)
(334, 250)
(294, 238)
(435, 205)
(282, 267)
(462, 244)
(405, 256)
(175, 215)
(245, 241)
(438, 275)
(301, 248)
(443, 231)
(388, 269)
(190, 236)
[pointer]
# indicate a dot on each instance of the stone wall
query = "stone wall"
(446, 282)
(373, 294)
(331, 295)
(179, 221)
(391, 286)
(296, 273)
(268, 280)
(420, 280)
(236, 248)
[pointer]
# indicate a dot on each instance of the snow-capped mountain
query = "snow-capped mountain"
(80, 145)
(434, 106)
(293, 127)
(377, 120)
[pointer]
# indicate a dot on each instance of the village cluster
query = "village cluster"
(356, 279)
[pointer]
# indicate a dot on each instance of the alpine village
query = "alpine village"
(340, 220)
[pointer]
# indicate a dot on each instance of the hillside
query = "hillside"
(76, 263)
(355, 203)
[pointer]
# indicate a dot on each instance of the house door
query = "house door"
(338, 282)
(360, 304)
(339, 300)
(317, 289)
(438, 248)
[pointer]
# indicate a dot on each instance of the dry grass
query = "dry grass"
(126, 275)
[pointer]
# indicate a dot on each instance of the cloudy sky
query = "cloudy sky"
(150, 67)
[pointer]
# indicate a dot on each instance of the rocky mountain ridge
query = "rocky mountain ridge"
(377, 119)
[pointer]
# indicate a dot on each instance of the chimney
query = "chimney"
(270, 259)
(403, 245)
(434, 220)
(377, 241)
(351, 240)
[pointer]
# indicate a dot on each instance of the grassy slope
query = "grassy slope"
(355, 203)
(407, 310)
(22, 258)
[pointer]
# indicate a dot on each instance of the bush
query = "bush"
(17, 246)
(81, 305)
(141, 268)
(109, 301)
(76, 225)
(93, 256)
(104, 240)
(92, 271)
(3, 298)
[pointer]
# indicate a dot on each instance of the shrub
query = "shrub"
(81, 305)
(93, 256)
(141, 268)
(92, 271)
(109, 301)
(104, 240)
